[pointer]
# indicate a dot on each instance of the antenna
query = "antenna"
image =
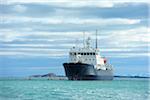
(96, 40)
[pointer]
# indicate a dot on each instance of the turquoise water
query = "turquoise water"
(120, 89)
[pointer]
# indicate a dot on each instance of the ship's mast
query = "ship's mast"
(96, 40)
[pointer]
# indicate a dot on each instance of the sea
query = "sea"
(44, 89)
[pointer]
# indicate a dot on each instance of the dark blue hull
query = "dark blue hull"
(80, 71)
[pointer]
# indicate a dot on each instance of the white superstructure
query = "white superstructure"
(87, 55)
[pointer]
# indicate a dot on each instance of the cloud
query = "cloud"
(123, 50)
(32, 52)
(39, 45)
(127, 55)
(19, 8)
(61, 20)
(28, 54)
(72, 3)
(123, 42)
(138, 34)
(23, 34)
(63, 3)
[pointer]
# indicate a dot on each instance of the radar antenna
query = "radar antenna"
(96, 40)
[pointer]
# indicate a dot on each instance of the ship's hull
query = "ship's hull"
(80, 71)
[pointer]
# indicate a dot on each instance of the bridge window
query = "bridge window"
(74, 53)
(84, 53)
(87, 53)
(81, 53)
(90, 53)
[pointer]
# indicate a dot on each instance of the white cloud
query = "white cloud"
(28, 45)
(9, 35)
(31, 54)
(62, 20)
(72, 3)
(105, 4)
(139, 34)
(39, 45)
(122, 49)
(19, 8)
(113, 37)
(12, 35)
(128, 55)
(33, 49)
(121, 40)
(63, 3)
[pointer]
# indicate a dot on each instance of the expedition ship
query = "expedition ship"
(86, 63)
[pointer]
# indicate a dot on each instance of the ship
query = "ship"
(86, 63)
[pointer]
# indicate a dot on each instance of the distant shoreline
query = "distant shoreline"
(57, 77)
(131, 76)
(52, 76)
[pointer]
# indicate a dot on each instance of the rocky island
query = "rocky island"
(49, 76)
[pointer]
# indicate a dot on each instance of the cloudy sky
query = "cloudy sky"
(36, 35)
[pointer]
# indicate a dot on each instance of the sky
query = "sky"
(36, 35)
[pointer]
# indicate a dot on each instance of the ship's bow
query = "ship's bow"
(79, 71)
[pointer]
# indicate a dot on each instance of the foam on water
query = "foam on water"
(74, 90)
